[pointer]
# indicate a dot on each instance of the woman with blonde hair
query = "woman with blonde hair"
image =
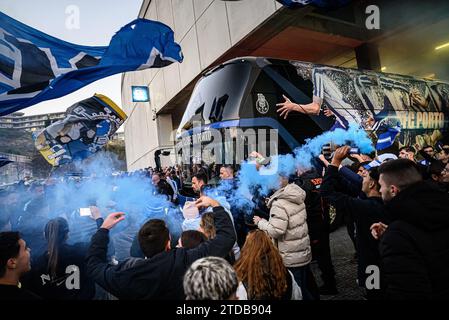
(261, 271)
(207, 227)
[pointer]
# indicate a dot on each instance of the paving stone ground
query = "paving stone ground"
(342, 251)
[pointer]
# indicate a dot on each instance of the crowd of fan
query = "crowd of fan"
(396, 210)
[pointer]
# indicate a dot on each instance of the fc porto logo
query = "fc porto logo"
(262, 104)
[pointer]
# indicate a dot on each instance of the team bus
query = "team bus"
(232, 110)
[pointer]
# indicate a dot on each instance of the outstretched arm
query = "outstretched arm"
(287, 106)
(96, 260)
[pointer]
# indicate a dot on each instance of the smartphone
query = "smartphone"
(85, 212)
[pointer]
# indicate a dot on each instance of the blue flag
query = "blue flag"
(35, 66)
(386, 139)
(318, 3)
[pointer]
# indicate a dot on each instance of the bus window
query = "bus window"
(220, 93)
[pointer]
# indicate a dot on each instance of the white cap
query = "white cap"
(386, 156)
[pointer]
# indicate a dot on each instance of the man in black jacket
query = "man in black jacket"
(318, 223)
(160, 275)
(364, 212)
(415, 247)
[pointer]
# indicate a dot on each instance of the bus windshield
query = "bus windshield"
(211, 101)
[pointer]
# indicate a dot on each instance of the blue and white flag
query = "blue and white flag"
(372, 164)
(35, 66)
(386, 139)
(317, 3)
(87, 127)
(381, 158)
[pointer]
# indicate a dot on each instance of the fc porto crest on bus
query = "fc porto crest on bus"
(262, 104)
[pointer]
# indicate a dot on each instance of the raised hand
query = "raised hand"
(378, 229)
(205, 202)
(340, 154)
(286, 107)
(112, 219)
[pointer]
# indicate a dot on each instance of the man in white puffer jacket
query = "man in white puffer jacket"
(287, 227)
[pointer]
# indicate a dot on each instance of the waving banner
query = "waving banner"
(35, 66)
(87, 127)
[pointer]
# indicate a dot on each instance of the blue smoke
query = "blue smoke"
(251, 181)
(354, 136)
(135, 195)
(111, 191)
